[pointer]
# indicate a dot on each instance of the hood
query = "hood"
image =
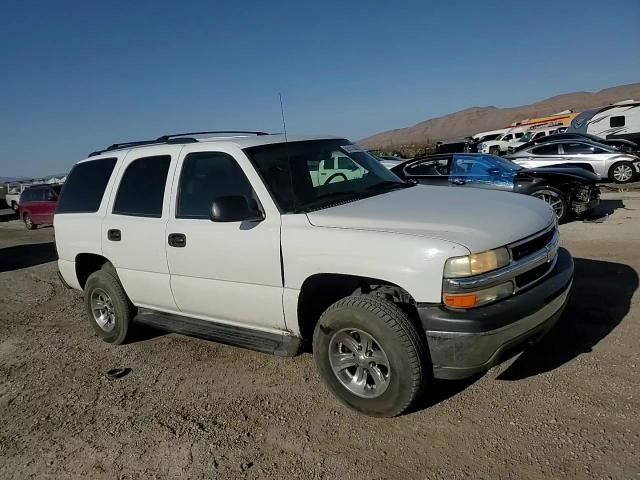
(565, 170)
(474, 218)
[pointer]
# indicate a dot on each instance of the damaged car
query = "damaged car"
(568, 190)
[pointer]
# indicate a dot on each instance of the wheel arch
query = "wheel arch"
(86, 264)
(321, 290)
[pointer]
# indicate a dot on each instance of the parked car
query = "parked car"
(37, 205)
(461, 144)
(499, 145)
(567, 190)
(608, 162)
(620, 144)
(12, 197)
(478, 138)
(229, 239)
(533, 134)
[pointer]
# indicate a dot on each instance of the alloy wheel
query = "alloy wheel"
(102, 309)
(623, 173)
(553, 199)
(359, 363)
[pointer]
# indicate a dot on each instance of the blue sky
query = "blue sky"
(77, 76)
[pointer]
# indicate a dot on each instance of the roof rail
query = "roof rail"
(165, 138)
(170, 139)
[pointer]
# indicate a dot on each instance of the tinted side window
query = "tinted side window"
(617, 121)
(546, 150)
(26, 196)
(206, 176)
(434, 167)
(84, 188)
(575, 148)
(141, 190)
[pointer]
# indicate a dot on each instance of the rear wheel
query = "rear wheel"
(370, 355)
(622, 172)
(14, 206)
(109, 309)
(556, 200)
(28, 222)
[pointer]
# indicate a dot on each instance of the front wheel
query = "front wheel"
(622, 172)
(369, 354)
(494, 151)
(556, 200)
(14, 206)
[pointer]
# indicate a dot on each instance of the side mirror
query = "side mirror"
(234, 208)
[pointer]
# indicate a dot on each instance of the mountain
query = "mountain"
(480, 119)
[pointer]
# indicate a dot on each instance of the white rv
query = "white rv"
(619, 120)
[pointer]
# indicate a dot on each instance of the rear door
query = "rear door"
(133, 230)
(584, 153)
(49, 205)
(37, 204)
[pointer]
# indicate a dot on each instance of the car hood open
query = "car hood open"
(474, 218)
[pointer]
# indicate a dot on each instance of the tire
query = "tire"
(334, 176)
(555, 199)
(384, 331)
(494, 151)
(14, 206)
(28, 222)
(622, 172)
(111, 322)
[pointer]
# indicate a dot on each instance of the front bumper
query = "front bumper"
(465, 342)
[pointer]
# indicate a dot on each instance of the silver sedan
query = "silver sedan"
(607, 162)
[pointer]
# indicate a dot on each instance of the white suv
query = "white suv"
(388, 283)
(500, 145)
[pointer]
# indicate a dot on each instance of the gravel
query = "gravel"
(568, 407)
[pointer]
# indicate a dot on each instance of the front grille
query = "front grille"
(532, 275)
(528, 247)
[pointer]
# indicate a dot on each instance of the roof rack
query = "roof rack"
(171, 138)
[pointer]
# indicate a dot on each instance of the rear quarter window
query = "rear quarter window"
(84, 188)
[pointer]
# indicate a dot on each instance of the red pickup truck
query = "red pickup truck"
(37, 205)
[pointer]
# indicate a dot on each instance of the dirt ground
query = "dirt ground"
(567, 407)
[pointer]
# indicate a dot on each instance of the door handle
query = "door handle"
(114, 235)
(177, 240)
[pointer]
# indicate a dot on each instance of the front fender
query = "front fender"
(412, 262)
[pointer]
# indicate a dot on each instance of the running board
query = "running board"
(273, 343)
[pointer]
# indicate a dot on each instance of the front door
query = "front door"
(480, 171)
(228, 272)
(133, 231)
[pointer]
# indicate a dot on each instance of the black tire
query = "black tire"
(14, 206)
(627, 166)
(409, 371)
(28, 222)
(494, 151)
(545, 192)
(336, 175)
(106, 280)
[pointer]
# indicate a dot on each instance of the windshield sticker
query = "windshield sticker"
(351, 148)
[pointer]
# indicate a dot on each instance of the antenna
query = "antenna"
(284, 124)
(286, 146)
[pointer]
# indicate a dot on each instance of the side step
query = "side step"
(273, 343)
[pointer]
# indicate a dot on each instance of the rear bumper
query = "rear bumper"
(463, 343)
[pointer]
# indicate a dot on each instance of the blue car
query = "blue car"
(570, 190)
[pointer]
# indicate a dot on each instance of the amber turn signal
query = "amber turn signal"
(467, 300)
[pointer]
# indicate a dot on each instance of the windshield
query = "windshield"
(315, 174)
(527, 136)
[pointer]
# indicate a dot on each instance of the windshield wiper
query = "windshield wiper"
(331, 195)
(388, 185)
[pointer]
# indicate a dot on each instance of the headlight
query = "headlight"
(477, 263)
(479, 298)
